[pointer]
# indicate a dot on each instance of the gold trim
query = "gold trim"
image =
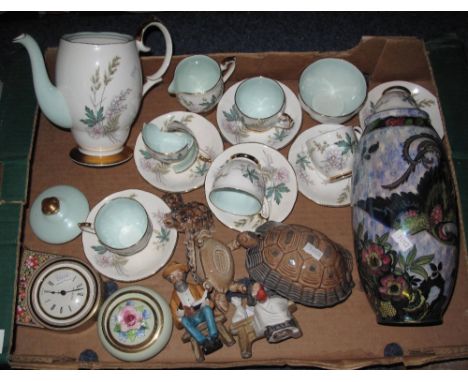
(142, 242)
(158, 322)
(245, 156)
(101, 161)
(50, 206)
(337, 178)
(93, 308)
(40, 286)
(260, 121)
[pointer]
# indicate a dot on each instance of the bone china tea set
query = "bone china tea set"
(393, 170)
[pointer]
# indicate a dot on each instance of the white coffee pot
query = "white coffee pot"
(98, 86)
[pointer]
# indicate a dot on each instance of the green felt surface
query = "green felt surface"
(10, 218)
(17, 109)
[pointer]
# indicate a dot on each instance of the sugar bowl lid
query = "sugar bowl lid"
(134, 324)
(56, 212)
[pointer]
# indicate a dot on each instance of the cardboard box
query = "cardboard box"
(345, 336)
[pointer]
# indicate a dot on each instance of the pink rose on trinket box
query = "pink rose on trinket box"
(129, 318)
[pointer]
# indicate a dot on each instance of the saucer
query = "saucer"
(161, 175)
(232, 130)
(310, 183)
(423, 97)
(280, 182)
(144, 263)
(100, 161)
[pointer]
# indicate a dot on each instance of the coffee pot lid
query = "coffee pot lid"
(56, 212)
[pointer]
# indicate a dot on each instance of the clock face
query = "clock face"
(64, 294)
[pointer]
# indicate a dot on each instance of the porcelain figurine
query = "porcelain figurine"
(261, 314)
(99, 86)
(298, 263)
(404, 213)
(191, 307)
(210, 261)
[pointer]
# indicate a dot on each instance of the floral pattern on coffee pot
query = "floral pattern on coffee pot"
(404, 214)
(99, 86)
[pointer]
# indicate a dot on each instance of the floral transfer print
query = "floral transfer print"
(403, 286)
(276, 186)
(160, 170)
(233, 123)
(202, 103)
(130, 321)
(421, 104)
(31, 261)
(105, 123)
(160, 238)
(335, 153)
(304, 171)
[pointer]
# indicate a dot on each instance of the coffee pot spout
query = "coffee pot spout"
(50, 99)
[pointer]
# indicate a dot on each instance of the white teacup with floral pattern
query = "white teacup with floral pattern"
(239, 187)
(199, 82)
(332, 152)
(260, 102)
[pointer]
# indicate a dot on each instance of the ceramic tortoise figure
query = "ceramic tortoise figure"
(298, 263)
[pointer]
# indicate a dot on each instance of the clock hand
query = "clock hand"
(73, 290)
(50, 291)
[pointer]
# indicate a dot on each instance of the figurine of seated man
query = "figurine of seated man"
(271, 316)
(190, 307)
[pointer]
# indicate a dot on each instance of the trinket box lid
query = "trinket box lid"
(134, 324)
(56, 212)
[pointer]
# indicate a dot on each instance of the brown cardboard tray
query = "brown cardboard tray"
(345, 336)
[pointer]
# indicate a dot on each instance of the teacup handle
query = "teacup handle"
(87, 227)
(265, 211)
(285, 121)
(228, 65)
(156, 77)
(358, 132)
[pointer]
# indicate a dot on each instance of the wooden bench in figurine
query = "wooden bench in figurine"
(224, 334)
(270, 318)
(210, 261)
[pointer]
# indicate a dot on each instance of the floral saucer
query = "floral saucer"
(310, 183)
(161, 175)
(280, 182)
(423, 97)
(233, 131)
(144, 263)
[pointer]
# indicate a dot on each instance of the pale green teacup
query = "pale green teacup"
(199, 82)
(261, 102)
(174, 144)
(122, 226)
(239, 187)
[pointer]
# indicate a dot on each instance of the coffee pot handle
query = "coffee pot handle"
(156, 77)
(227, 67)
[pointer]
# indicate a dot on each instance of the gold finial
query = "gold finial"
(50, 206)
